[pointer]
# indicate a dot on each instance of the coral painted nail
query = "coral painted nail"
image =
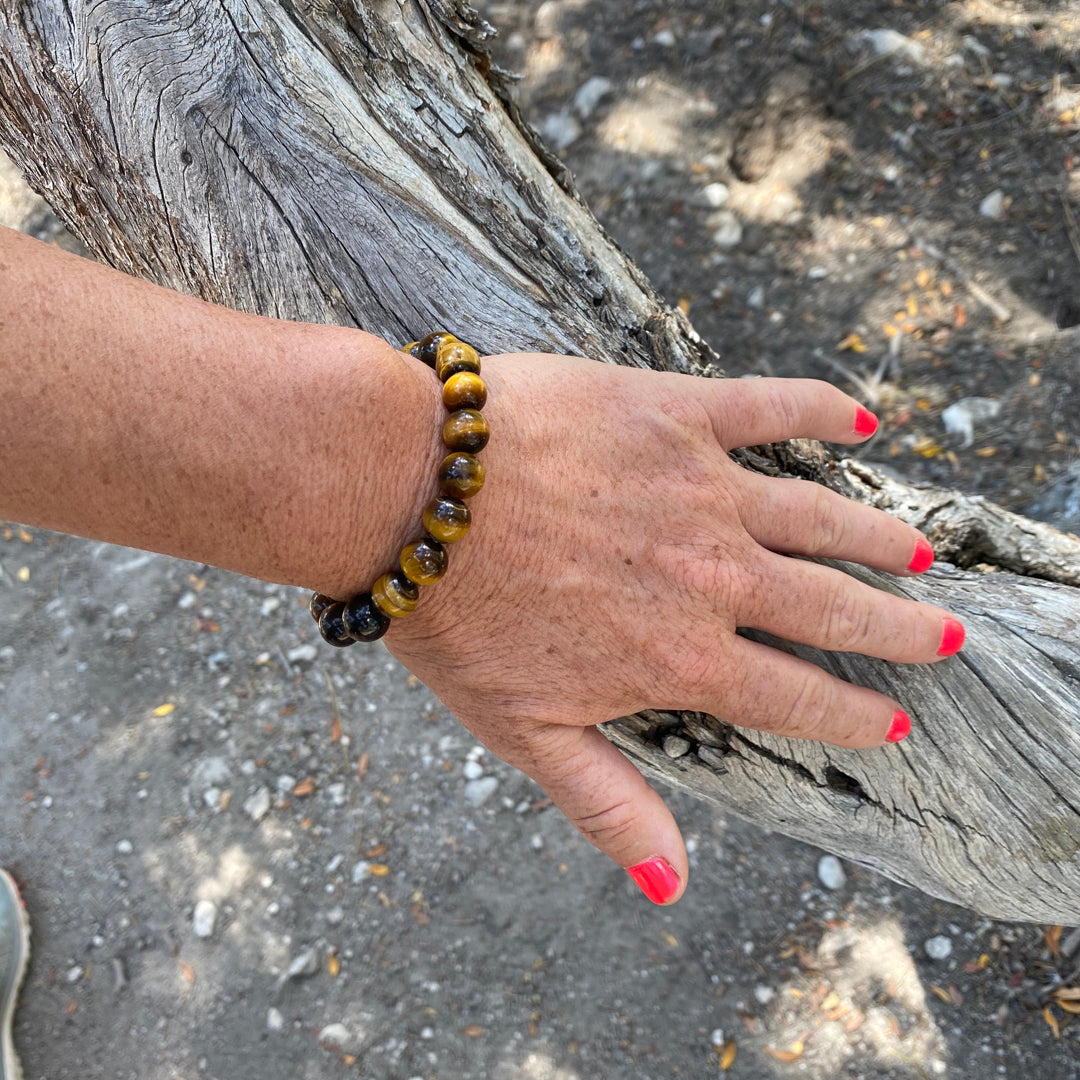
(952, 637)
(656, 879)
(865, 421)
(901, 726)
(923, 558)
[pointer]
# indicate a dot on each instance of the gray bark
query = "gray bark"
(358, 163)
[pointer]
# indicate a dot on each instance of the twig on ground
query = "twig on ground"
(995, 307)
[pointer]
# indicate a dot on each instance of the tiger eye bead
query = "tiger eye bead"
(423, 562)
(465, 390)
(455, 356)
(363, 620)
(411, 348)
(427, 348)
(395, 595)
(332, 627)
(460, 475)
(447, 519)
(466, 430)
(319, 603)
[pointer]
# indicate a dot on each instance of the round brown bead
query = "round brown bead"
(395, 595)
(460, 475)
(455, 356)
(319, 603)
(332, 627)
(427, 348)
(363, 619)
(465, 390)
(423, 562)
(447, 519)
(466, 430)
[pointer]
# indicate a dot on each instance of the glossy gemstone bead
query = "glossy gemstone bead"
(455, 356)
(424, 561)
(395, 595)
(465, 390)
(460, 475)
(319, 603)
(427, 348)
(447, 519)
(363, 620)
(332, 627)
(411, 348)
(466, 430)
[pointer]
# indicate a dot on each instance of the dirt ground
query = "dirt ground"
(246, 858)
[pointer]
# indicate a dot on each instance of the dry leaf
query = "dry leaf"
(942, 994)
(187, 971)
(335, 730)
(1067, 993)
(792, 1054)
(1072, 1007)
(163, 710)
(912, 307)
(304, 787)
(378, 870)
(669, 939)
(960, 316)
(1052, 935)
(474, 1031)
(852, 343)
(684, 304)
(420, 915)
(362, 766)
(1052, 1020)
(72, 1005)
(986, 451)
(922, 278)
(24, 536)
(727, 1055)
(375, 852)
(830, 1002)
(333, 965)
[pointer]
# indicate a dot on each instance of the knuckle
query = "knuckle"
(810, 711)
(830, 531)
(848, 621)
(606, 827)
(785, 405)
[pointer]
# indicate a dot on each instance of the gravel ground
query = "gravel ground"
(248, 856)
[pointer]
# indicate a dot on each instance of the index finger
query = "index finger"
(752, 412)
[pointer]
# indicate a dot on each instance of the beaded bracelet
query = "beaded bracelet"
(366, 617)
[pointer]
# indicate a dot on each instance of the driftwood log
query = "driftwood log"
(358, 162)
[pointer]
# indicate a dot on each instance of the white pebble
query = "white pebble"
(74, 974)
(274, 1020)
(124, 847)
(269, 606)
(334, 863)
(664, 38)
(560, 129)
(717, 1037)
(713, 195)
(473, 770)
(477, 792)
(336, 1035)
(257, 806)
(285, 783)
(675, 746)
(205, 917)
(212, 798)
(302, 654)
(336, 792)
(360, 871)
(939, 948)
(727, 229)
(537, 842)
(993, 206)
(590, 94)
(764, 994)
(830, 872)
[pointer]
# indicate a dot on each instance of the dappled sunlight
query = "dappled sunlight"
(653, 121)
(536, 1066)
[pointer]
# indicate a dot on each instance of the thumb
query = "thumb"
(610, 803)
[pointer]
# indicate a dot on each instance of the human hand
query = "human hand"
(615, 550)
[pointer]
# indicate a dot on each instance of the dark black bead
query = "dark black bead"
(427, 348)
(319, 603)
(332, 627)
(363, 620)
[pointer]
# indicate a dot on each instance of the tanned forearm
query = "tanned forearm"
(287, 451)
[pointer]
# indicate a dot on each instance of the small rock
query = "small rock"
(303, 965)
(961, 417)
(816, 273)
(830, 872)
(712, 756)
(675, 746)
(717, 1037)
(974, 45)
(269, 606)
(477, 792)
(727, 229)
(473, 770)
(74, 974)
(537, 842)
(939, 948)
(664, 38)
(560, 129)
(124, 847)
(334, 863)
(764, 994)
(211, 772)
(590, 94)
(336, 793)
(713, 196)
(756, 298)
(1002, 80)
(274, 1020)
(335, 916)
(212, 798)
(302, 654)
(285, 783)
(889, 42)
(257, 806)
(993, 206)
(336, 1035)
(205, 917)
(360, 871)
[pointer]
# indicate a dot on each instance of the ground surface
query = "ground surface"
(163, 744)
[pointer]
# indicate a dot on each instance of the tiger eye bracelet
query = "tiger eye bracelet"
(366, 617)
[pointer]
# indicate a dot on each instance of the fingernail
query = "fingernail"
(901, 726)
(952, 637)
(656, 879)
(923, 558)
(865, 421)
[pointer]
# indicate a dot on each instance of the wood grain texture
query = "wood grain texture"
(355, 163)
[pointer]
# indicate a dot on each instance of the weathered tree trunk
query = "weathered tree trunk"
(356, 162)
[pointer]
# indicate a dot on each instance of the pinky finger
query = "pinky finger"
(788, 696)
